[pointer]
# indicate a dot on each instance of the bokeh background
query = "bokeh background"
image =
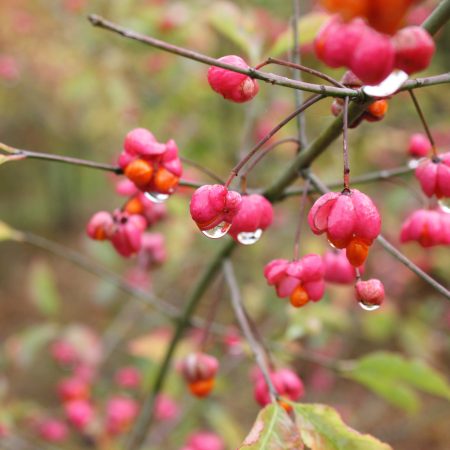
(72, 89)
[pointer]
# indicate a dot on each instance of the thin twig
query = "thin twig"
(424, 122)
(201, 168)
(297, 59)
(262, 154)
(327, 91)
(301, 212)
(235, 171)
(63, 159)
(378, 175)
(345, 146)
(411, 266)
(241, 316)
(296, 65)
(190, 54)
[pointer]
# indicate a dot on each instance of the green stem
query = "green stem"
(139, 433)
(438, 18)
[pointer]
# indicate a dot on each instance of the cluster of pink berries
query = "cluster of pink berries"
(217, 211)
(352, 222)
(372, 55)
(153, 171)
(300, 280)
(429, 227)
(82, 413)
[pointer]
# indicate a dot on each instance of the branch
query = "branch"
(59, 158)
(140, 430)
(389, 247)
(379, 175)
(242, 318)
(438, 18)
(327, 91)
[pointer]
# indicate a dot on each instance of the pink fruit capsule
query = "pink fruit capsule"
(286, 382)
(414, 49)
(213, 208)
(233, 86)
(370, 294)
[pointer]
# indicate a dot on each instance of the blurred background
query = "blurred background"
(72, 89)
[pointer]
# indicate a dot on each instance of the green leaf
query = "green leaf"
(43, 291)
(308, 26)
(273, 430)
(322, 428)
(392, 377)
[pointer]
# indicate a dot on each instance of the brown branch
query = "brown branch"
(59, 158)
(190, 54)
(424, 122)
(242, 318)
(297, 66)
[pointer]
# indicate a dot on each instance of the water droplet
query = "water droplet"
(368, 306)
(388, 86)
(218, 231)
(444, 204)
(332, 245)
(249, 238)
(413, 163)
(156, 197)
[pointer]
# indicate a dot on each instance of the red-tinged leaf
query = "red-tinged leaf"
(273, 430)
(322, 428)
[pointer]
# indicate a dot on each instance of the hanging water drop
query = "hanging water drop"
(156, 197)
(250, 237)
(332, 245)
(413, 163)
(444, 204)
(368, 306)
(218, 231)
